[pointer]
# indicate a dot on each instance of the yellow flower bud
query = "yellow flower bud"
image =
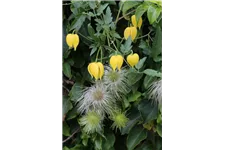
(134, 21)
(130, 31)
(116, 61)
(96, 69)
(72, 40)
(133, 59)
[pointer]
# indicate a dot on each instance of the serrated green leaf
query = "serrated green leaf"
(141, 63)
(101, 8)
(126, 47)
(108, 16)
(128, 5)
(134, 116)
(134, 96)
(67, 105)
(148, 110)
(78, 23)
(66, 129)
(92, 4)
(76, 92)
(67, 70)
(153, 13)
(136, 135)
(153, 73)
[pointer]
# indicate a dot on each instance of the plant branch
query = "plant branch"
(126, 15)
(71, 135)
(85, 37)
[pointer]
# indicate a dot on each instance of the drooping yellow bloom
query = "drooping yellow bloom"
(133, 59)
(134, 21)
(130, 31)
(96, 69)
(116, 61)
(72, 40)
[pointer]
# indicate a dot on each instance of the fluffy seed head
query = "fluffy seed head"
(119, 118)
(155, 92)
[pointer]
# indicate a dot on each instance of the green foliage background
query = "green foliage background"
(98, 23)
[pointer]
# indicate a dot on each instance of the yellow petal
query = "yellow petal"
(127, 32)
(133, 33)
(93, 69)
(113, 62)
(76, 41)
(69, 40)
(101, 69)
(133, 59)
(134, 21)
(119, 61)
(139, 23)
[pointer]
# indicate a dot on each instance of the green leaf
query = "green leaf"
(145, 146)
(67, 105)
(158, 2)
(135, 136)
(78, 23)
(101, 8)
(112, 2)
(134, 116)
(159, 129)
(92, 4)
(109, 141)
(153, 73)
(133, 97)
(148, 80)
(77, 147)
(91, 31)
(126, 47)
(141, 63)
(93, 50)
(153, 13)
(66, 129)
(98, 143)
(72, 114)
(65, 148)
(67, 70)
(133, 76)
(148, 110)
(157, 43)
(76, 92)
(141, 10)
(108, 16)
(128, 5)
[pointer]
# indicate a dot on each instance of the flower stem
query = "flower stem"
(85, 37)
(114, 45)
(97, 55)
(117, 17)
(143, 36)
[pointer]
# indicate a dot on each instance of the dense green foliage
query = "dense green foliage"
(100, 26)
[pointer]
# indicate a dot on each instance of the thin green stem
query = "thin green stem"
(97, 55)
(114, 45)
(122, 40)
(101, 54)
(85, 37)
(118, 14)
(143, 36)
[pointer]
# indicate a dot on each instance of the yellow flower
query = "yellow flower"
(116, 61)
(130, 31)
(72, 40)
(133, 59)
(134, 22)
(96, 69)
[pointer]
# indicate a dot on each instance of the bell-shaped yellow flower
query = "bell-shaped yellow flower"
(96, 69)
(72, 40)
(116, 61)
(134, 21)
(133, 59)
(130, 31)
